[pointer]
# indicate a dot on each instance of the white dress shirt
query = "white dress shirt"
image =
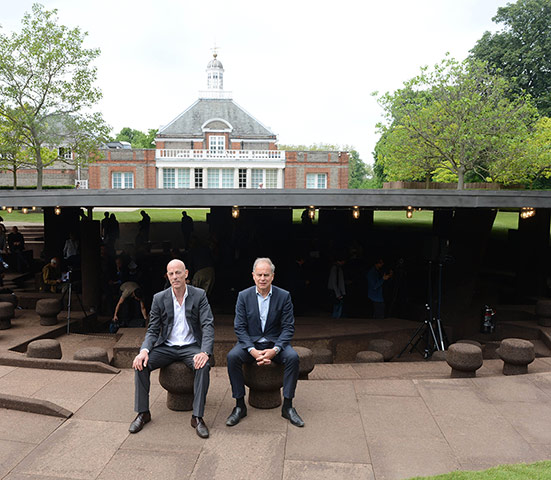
(181, 333)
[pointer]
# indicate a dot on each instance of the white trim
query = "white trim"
(253, 140)
(175, 139)
(230, 127)
(162, 163)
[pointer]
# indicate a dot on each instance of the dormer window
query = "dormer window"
(217, 143)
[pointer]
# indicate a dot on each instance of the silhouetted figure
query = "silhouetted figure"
(187, 228)
(143, 229)
(336, 287)
(104, 225)
(71, 253)
(375, 280)
(16, 244)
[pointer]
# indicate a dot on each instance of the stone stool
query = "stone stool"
(543, 311)
(92, 354)
(6, 314)
(473, 342)
(516, 355)
(439, 356)
(264, 384)
(45, 348)
(322, 355)
(9, 297)
(384, 347)
(369, 357)
(47, 309)
(306, 362)
(465, 359)
(177, 379)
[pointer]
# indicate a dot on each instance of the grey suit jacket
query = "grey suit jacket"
(198, 315)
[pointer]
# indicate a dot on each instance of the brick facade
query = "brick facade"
(333, 164)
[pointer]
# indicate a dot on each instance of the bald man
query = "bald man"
(181, 328)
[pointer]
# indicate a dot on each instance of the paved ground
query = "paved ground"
(377, 421)
(363, 421)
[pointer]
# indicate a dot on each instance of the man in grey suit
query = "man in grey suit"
(264, 324)
(181, 328)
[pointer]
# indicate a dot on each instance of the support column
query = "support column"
(90, 263)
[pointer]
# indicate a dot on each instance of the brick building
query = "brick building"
(214, 143)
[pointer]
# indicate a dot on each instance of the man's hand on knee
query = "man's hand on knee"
(265, 356)
(200, 360)
(140, 360)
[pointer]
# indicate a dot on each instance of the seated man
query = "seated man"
(264, 324)
(181, 329)
(130, 290)
(51, 276)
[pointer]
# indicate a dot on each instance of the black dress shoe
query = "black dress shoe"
(140, 420)
(292, 415)
(200, 428)
(236, 414)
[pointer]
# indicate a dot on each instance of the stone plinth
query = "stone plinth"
(516, 354)
(92, 354)
(264, 384)
(465, 359)
(45, 348)
(384, 347)
(322, 355)
(7, 312)
(48, 309)
(306, 362)
(369, 357)
(177, 379)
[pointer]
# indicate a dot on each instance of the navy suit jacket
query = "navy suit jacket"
(280, 324)
(198, 315)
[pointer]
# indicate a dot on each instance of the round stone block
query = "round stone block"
(177, 379)
(7, 312)
(369, 357)
(264, 382)
(45, 348)
(384, 347)
(465, 359)
(438, 356)
(306, 362)
(516, 354)
(472, 342)
(92, 354)
(322, 355)
(47, 309)
(9, 297)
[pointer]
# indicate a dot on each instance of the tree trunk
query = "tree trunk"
(461, 178)
(39, 169)
(14, 178)
(427, 182)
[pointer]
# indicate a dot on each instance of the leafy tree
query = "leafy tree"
(11, 154)
(360, 175)
(457, 117)
(521, 50)
(532, 158)
(46, 83)
(136, 138)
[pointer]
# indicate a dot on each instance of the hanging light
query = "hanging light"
(57, 210)
(34, 209)
(235, 211)
(527, 212)
(409, 212)
(312, 212)
(356, 212)
(25, 210)
(3, 207)
(9, 209)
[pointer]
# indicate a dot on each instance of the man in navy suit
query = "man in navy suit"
(181, 328)
(264, 324)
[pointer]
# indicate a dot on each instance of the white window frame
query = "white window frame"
(217, 143)
(126, 180)
(316, 180)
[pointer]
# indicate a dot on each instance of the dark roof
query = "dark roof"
(189, 122)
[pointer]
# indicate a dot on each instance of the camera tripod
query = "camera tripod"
(432, 338)
(69, 298)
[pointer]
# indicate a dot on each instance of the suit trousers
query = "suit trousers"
(239, 355)
(161, 356)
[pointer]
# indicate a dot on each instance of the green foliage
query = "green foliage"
(136, 138)
(46, 86)
(521, 50)
(456, 117)
(360, 175)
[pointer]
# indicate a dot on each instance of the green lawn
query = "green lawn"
(521, 471)
(423, 219)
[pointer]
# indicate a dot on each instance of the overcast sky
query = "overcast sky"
(305, 69)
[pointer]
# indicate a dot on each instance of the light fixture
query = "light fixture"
(9, 209)
(409, 212)
(25, 210)
(34, 209)
(3, 207)
(235, 211)
(312, 212)
(527, 212)
(356, 212)
(57, 210)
